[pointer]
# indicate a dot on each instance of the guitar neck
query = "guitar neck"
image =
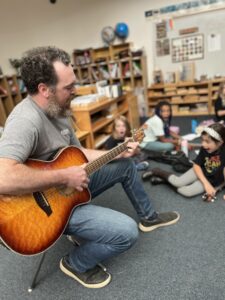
(105, 158)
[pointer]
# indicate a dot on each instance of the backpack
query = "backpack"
(180, 163)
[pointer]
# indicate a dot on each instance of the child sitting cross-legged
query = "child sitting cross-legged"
(207, 174)
(158, 134)
(121, 130)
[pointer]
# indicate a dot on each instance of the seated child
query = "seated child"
(207, 174)
(122, 130)
(158, 136)
(220, 103)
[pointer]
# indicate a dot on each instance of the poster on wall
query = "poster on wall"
(162, 47)
(161, 30)
(214, 42)
(188, 48)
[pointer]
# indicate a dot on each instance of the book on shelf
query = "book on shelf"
(118, 72)
(85, 99)
(113, 68)
(137, 69)
(126, 70)
(94, 74)
(104, 72)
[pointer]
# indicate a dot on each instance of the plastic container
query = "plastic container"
(184, 147)
(194, 125)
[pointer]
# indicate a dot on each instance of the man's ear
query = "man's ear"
(44, 90)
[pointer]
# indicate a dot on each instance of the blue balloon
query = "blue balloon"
(122, 30)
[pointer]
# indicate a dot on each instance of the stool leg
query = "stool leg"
(33, 283)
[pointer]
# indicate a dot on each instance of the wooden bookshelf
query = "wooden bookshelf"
(94, 121)
(97, 118)
(6, 98)
(84, 138)
(186, 98)
(213, 90)
(106, 63)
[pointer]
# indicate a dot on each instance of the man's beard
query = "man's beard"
(54, 110)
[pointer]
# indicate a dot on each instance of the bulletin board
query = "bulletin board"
(187, 48)
(206, 61)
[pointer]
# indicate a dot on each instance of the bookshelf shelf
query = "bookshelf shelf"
(107, 63)
(101, 123)
(97, 118)
(197, 97)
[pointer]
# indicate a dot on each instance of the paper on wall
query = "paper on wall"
(214, 42)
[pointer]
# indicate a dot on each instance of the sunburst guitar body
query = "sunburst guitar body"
(32, 223)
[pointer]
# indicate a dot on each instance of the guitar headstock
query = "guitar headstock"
(138, 135)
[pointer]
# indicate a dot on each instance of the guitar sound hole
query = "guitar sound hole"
(42, 202)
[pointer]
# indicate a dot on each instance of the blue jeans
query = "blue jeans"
(107, 232)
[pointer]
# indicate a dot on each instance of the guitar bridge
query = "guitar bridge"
(42, 202)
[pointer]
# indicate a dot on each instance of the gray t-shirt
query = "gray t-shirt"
(30, 133)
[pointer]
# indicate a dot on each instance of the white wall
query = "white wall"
(71, 24)
(209, 23)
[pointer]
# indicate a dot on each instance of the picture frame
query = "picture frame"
(162, 47)
(187, 48)
(161, 30)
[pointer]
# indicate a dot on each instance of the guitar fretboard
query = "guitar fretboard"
(105, 158)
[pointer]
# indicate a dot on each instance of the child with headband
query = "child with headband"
(207, 174)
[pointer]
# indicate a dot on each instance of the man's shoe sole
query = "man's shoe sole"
(90, 286)
(151, 228)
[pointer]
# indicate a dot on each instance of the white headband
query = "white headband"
(211, 132)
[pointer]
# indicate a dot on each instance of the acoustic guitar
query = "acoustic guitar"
(32, 223)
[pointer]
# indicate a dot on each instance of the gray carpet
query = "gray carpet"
(185, 261)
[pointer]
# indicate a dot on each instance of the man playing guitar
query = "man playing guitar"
(44, 188)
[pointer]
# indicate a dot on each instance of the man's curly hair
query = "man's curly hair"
(37, 67)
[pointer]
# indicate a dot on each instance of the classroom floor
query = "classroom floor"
(185, 261)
